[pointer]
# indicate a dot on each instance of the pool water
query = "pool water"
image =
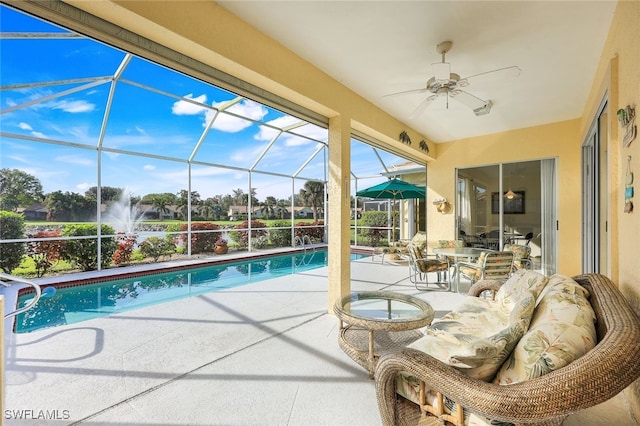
(74, 304)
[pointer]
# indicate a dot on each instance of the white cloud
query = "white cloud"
(267, 133)
(25, 126)
(84, 186)
(39, 135)
(72, 106)
(149, 167)
(228, 123)
(188, 108)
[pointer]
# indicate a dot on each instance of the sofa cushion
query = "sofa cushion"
(521, 283)
(465, 341)
(562, 329)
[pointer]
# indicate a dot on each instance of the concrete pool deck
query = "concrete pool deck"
(260, 354)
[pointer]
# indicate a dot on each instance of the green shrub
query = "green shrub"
(374, 220)
(155, 247)
(83, 253)
(281, 237)
(11, 227)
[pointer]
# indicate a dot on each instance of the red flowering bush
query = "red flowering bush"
(201, 240)
(124, 250)
(258, 229)
(45, 254)
(314, 230)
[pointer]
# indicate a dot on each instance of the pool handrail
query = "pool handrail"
(36, 287)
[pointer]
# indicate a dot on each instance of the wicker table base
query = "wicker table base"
(372, 323)
(357, 343)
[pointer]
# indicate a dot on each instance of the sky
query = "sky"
(60, 101)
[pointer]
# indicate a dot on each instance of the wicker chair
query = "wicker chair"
(600, 374)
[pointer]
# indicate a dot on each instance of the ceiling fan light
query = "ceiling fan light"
(510, 195)
(483, 110)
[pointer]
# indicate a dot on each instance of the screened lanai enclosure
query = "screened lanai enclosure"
(109, 149)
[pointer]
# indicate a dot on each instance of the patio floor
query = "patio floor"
(261, 354)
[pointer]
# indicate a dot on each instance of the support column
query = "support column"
(339, 209)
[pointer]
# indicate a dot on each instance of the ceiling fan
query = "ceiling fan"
(444, 83)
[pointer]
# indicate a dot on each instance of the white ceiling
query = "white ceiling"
(381, 47)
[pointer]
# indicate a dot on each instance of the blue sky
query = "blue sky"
(58, 90)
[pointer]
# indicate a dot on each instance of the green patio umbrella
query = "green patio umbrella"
(393, 189)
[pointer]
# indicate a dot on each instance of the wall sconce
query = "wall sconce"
(442, 205)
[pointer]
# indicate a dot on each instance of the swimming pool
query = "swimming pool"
(83, 302)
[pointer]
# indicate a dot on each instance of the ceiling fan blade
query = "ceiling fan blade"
(406, 92)
(441, 71)
(507, 72)
(422, 107)
(468, 99)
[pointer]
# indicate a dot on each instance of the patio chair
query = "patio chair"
(494, 265)
(420, 266)
(401, 249)
(521, 256)
(450, 244)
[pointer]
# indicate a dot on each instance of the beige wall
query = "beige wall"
(557, 140)
(619, 75)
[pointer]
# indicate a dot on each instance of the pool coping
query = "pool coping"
(133, 271)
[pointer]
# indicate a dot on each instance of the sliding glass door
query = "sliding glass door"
(510, 203)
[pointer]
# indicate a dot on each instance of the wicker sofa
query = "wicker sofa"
(596, 376)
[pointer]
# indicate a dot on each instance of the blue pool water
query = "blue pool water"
(74, 304)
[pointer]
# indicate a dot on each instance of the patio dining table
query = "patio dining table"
(466, 253)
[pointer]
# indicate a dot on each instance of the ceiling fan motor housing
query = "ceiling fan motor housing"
(443, 86)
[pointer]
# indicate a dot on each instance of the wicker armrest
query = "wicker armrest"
(600, 374)
(484, 285)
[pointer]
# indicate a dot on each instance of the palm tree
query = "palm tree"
(312, 195)
(160, 203)
(183, 201)
(267, 207)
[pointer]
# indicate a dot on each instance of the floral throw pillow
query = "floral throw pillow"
(461, 344)
(520, 284)
(562, 330)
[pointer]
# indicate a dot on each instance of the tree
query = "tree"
(108, 193)
(170, 198)
(268, 206)
(18, 189)
(11, 228)
(183, 201)
(160, 202)
(312, 196)
(69, 207)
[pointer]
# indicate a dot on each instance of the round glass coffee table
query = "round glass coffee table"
(372, 323)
